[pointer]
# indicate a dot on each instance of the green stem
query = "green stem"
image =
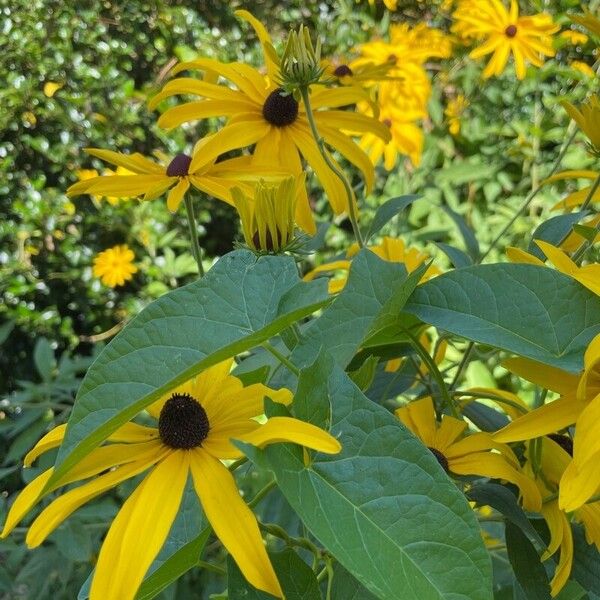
(196, 251)
(338, 172)
(498, 399)
(464, 361)
(211, 567)
(281, 358)
(329, 567)
(262, 493)
(282, 534)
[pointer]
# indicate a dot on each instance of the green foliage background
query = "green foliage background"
(109, 57)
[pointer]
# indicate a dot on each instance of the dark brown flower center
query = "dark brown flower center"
(511, 31)
(280, 109)
(268, 246)
(183, 422)
(342, 71)
(392, 58)
(179, 166)
(440, 458)
(564, 441)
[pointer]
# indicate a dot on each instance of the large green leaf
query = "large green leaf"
(532, 311)
(241, 302)
(383, 506)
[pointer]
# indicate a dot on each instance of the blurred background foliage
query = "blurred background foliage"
(79, 74)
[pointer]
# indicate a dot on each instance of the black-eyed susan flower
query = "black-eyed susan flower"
(454, 111)
(114, 266)
(460, 453)
(259, 112)
(548, 473)
(587, 117)
(195, 424)
(267, 215)
(503, 32)
(151, 180)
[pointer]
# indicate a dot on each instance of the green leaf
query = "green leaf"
(241, 302)
(505, 502)
(43, 358)
(485, 417)
(5, 330)
(586, 232)
(586, 561)
(553, 231)
(364, 375)
(296, 578)
(535, 312)
(467, 234)
(383, 506)
(526, 564)
(458, 258)
(387, 211)
(346, 587)
(465, 172)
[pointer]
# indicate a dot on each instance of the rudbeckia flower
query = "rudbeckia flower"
(195, 424)
(575, 393)
(554, 461)
(504, 32)
(151, 180)
(260, 112)
(115, 266)
(459, 453)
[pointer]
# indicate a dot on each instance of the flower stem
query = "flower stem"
(196, 251)
(577, 256)
(281, 358)
(338, 172)
(262, 493)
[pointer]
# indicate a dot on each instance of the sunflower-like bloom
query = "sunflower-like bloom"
(115, 266)
(548, 475)
(460, 453)
(259, 112)
(576, 392)
(151, 180)
(390, 249)
(453, 111)
(587, 117)
(504, 32)
(268, 215)
(195, 424)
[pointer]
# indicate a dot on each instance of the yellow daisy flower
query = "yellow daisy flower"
(587, 117)
(554, 461)
(390, 249)
(259, 112)
(115, 266)
(453, 111)
(195, 424)
(574, 37)
(152, 180)
(527, 38)
(460, 453)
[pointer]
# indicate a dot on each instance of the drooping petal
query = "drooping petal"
(121, 186)
(139, 530)
(269, 53)
(560, 537)
(52, 439)
(233, 522)
(136, 162)
(545, 376)
(176, 194)
(287, 429)
(578, 485)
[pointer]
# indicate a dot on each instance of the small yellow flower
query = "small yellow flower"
(115, 266)
(194, 426)
(504, 32)
(268, 216)
(460, 453)
(582, 68)
(454, 110)
(51, 87)
(587, 117)
(574, 37)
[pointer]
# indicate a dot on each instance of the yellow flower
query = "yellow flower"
(504, 32)
(390, 249)
(575, 393)
(587, 20)
(51, 87)
(389, 4)
(260, 113)
(582, 68)
(454, 111)
(115, 266)
(554, 461)
(462, 454)
(152, 180)
(574, 37)
(194, 426)
(587, 117)
(268, 216)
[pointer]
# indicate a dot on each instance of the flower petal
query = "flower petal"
(176, 194)
(232, 520)
(52, 439)
(419, 417)
(545, 376)
(560, 537)
(136, 162)
(139, 530)
(120, 186)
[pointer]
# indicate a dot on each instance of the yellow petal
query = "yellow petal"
(419, 417)
(176, 194)
(265, 41)
(287, 429)
(122, 186)
(233, 522)
(27, 498)
(52, 439)
(353, 122)
(139, 530)
(560, 537)
(133, 433)
(561, 261)
(450, 429)
(545, 376)
(516, 255)
(58, 510)
(577, 485)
